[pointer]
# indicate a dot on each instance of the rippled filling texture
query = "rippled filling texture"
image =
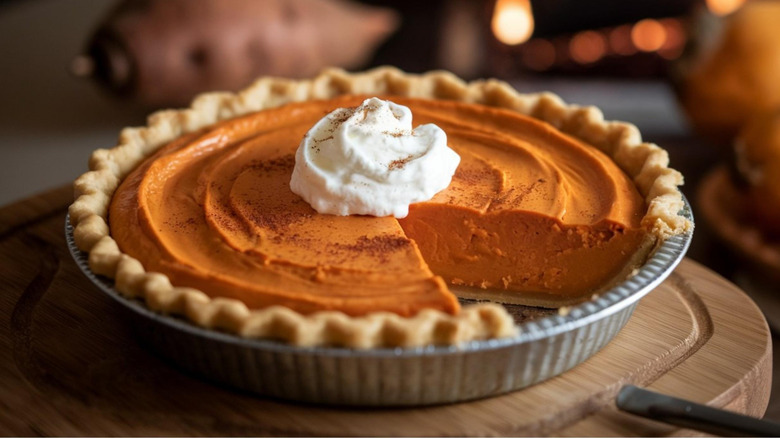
(530, 211)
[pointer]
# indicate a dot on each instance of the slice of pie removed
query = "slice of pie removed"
(543, 210)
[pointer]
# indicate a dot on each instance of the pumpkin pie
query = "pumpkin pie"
(728, 75)
(757, 151)
(550, 204)
(741, 199)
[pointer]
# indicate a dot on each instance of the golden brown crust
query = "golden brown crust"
(645, 163)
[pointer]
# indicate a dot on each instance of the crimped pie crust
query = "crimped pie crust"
(645, 163)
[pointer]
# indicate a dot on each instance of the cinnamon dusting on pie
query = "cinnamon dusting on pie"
(498, 217)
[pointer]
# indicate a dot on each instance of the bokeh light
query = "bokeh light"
(620, 40)
(513, 22)
(648, 35)
(724, 7)
(539, 54)
(588, 46)
(675, 39)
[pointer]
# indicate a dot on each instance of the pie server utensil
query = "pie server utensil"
(690, 415)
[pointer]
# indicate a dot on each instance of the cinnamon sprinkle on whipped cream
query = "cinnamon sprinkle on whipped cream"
(368, 160)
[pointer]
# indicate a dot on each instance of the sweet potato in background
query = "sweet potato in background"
(163, 52)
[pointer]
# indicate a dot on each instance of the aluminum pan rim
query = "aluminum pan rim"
(656, 269)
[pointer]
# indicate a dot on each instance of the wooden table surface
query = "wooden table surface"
(68, 366)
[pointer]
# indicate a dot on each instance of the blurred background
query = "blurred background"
(701, 78)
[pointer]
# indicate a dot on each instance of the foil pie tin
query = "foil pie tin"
(547, 344)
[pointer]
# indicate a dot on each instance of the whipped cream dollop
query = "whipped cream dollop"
(368, 160)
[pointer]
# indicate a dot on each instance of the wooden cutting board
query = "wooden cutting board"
(70, 366)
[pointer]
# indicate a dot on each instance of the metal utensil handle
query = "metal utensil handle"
(691, 415)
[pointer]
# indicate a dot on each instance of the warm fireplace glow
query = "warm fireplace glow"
(513, 22)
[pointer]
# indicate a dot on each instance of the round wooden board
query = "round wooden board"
(68, 366)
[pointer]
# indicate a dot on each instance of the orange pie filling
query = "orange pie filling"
(532, 216)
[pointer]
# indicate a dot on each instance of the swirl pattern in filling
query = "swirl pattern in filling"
(531, 213)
